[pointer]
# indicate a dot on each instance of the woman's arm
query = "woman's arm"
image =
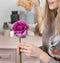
(52, 61)
(45, 58)
(46, 37)
(33, 51)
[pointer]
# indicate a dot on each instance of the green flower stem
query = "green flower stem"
(20, 52)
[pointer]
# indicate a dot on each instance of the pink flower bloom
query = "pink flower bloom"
(20, 28)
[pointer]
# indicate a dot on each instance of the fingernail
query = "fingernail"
(19, 50)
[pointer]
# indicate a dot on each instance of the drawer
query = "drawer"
(6, 62)
(8, 55)
(27, 59)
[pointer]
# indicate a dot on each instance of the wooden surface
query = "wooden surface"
(12, 42)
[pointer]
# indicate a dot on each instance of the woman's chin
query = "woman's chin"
(52, 8)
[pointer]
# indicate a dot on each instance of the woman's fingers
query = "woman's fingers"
(29, 49)
(26, 52)
(25, 45)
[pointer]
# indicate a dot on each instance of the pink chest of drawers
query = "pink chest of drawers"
(9, 49)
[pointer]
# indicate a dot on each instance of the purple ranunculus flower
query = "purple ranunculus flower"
(20, 28)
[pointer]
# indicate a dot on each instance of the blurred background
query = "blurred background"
(6, 6)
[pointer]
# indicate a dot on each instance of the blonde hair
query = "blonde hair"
(40, 17)
(50, 15)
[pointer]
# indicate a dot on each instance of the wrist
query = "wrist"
(44, 57)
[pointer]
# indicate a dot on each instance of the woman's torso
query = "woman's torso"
(48, 32)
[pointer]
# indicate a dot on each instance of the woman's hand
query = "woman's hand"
(29, 49)
(33, 51)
